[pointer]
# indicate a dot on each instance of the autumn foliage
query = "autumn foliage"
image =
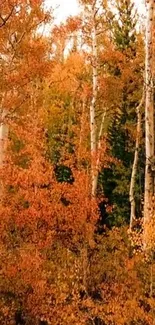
(67, 256)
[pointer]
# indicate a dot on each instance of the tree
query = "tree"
(149, 115)
(21, 19)
(127, 68)
(93, 26)
(135, 162)
(94, 98)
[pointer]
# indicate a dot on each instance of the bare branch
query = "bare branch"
(4, 20)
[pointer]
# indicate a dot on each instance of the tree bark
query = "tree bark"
(3, 138)
(149, 116)
(93, 139)
(135, 164)
(4, 130)
(96, 174)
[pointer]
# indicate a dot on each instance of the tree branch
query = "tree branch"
(4, 20)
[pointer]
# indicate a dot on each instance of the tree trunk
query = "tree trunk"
(3, 138)
(93, 102)
(97, 163)
(3, 143)
(149, 116)
(135, 165)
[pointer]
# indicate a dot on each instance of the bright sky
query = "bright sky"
(70, 7)
(64, 9)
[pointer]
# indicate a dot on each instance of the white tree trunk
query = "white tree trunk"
(93, 139)
(135, 164)
(149, 112)
(149, 125)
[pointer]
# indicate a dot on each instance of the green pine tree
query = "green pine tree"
(116, 180)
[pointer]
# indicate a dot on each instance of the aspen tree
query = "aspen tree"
(96, 127)
(149, 113)
(135, 164)
(93, 101)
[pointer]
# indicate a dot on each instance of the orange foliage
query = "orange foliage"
(53, 266)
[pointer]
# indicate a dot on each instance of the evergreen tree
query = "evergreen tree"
(116, 180)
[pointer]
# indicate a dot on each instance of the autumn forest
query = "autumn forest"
(77, 164)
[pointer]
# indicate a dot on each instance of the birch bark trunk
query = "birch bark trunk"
(95, 139)
(135, 164)
(149, 113)
(93, 102)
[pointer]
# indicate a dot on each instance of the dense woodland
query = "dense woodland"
(77, 164)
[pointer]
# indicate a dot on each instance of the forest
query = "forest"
(77, 164)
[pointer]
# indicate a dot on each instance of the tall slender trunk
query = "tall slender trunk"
(3, 137)
(81, 132)
(149, 189)
(149, 114)
(135, 164)
(93, 139)
(96, 174)
(3, 142)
